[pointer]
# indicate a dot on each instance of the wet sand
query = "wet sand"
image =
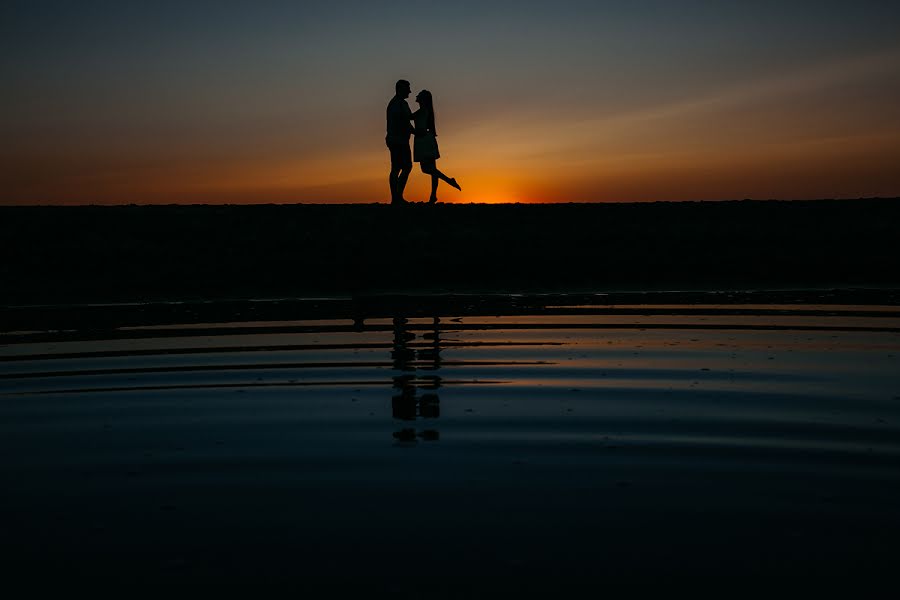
(138, 253)
(406, 449)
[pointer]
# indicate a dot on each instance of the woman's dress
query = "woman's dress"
(425, 147)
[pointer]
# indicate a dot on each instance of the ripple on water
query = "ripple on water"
(529, 433)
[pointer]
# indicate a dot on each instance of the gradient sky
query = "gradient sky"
(160, 102)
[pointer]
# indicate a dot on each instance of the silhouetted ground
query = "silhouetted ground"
(133, 253)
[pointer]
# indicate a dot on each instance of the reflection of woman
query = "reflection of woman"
(425, 148)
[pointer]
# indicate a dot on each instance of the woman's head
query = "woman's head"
(425, 101)
(424, 98)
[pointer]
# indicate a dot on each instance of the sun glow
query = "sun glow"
(477, 187)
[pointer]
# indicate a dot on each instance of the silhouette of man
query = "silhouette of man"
(398, 131)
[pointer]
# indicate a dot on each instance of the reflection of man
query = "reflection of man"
(407, 404)
(398, 131)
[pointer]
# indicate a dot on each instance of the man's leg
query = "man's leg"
(401, 164)
(401, 159)
(401, 183)
(394, 181)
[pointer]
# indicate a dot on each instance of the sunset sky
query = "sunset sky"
(251, 102)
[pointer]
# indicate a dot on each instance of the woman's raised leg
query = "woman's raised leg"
(430, 168)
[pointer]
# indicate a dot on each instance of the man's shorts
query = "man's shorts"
(401, 156)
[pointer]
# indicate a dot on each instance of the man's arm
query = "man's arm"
(410, 117)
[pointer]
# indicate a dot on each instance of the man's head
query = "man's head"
(403, 88)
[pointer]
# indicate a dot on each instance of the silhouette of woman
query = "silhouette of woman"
(425, 148)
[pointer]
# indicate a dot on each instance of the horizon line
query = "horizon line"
(387, 203)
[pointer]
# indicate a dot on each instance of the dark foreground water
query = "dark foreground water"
(584, 447)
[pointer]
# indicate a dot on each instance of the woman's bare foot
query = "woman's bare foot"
(432, 200)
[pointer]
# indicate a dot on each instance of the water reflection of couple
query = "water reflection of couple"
(425, 148)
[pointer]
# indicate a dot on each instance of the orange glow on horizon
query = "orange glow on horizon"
(787, 138)
(551, 104)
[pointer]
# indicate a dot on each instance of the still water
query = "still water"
(585, 445)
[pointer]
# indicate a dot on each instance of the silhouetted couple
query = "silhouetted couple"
(425, 148)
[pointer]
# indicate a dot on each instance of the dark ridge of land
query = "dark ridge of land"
(56, 255)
